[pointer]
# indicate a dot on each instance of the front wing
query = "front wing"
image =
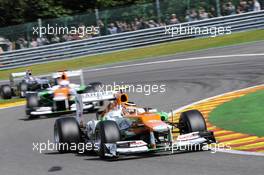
(186, 142)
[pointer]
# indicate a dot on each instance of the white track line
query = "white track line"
(165, 61)
(174, 60)
(240, 152)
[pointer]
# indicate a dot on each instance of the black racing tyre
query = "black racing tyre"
(6, 92)
(106, 132)
(23, 87)
(32, 103)
(191, 121)
(66, 133)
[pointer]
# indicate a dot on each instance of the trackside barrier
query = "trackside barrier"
(120, 41)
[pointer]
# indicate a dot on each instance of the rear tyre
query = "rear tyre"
(66, 133)
(106, 132)
(23, 89)
(6, 92)
(192, 121)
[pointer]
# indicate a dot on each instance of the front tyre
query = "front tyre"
(32, 104)
(106, 132)
(23, 87)
(192, 121)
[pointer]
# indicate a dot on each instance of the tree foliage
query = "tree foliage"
(21, 11)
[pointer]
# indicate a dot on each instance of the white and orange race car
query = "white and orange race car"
(124, 128)
(60, 98)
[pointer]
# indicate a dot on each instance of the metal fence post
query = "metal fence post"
(158, 9)
(218, 7)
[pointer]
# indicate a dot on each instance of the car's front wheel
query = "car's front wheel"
(23, 89)
(191, 121)
(106, 132)
(32, 103)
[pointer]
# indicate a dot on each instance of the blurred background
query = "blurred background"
(18, 18)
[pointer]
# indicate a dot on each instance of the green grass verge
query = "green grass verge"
(140, 53)
(244, 114)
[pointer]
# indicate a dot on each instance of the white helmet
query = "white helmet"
(64, 83)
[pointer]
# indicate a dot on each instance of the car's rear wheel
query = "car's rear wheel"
(106, 132)
(191, 121)
(6, 92)
(66, 133)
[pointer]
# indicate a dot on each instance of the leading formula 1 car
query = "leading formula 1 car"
(60, 98)
(21, 83)
(124, 128)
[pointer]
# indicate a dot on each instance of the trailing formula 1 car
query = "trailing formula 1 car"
(21, 83)
(124, 128)
(60, 98)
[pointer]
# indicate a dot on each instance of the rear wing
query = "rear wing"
(12, 76)
(18, 74)
(99, 96)
(80, 99)
(75, 73)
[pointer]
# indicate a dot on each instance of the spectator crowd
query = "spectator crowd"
(228, 8)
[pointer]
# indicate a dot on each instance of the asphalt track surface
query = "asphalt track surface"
(186, 82)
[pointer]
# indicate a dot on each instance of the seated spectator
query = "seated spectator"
(125, 27)
(256, 5)
(152, 24)
(21, 43)
(1, 50)
(174, 19)
(250, 6)
(112, 29)
(212, 13)
(142, 24)
(55, 39)
(66, 37)
(203, 14)
(119, 27)
(229, 8)
(42, 41)
(102, 28)
(33, 43)
(191, 16)
(242, 7)
(9, 45)
(129, 27)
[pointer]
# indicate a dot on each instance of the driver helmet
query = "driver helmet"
(64, 83)
(28, 73)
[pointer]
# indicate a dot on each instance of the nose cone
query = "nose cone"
(154, 123)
